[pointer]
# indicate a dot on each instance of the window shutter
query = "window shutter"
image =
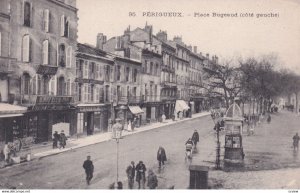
(0, 44)
(69, 57)
(26, 48)
(46, 20)
(46, 52)
(62, 25)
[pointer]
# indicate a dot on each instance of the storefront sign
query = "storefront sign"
(53, 100)
(91, 109)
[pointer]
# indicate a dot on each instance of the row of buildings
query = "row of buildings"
(51, 82)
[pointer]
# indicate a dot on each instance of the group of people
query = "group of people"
(59, 139)
(191, 144)
(139, 173)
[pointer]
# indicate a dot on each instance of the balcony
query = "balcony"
(46, 100)
(168, 98)
(138, 99)
(168, 84)
(167, 68)
(5, 65)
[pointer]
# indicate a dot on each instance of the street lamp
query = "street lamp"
(117, 135)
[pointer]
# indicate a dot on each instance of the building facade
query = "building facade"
(42, 39)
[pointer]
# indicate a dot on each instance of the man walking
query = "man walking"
(140, 174)
(296, 139)
(89, 169)
(195, 137)
(55, 139)
(62, 140)
(161, 156)
(130, 171)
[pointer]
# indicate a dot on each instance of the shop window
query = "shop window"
(62, 55)
(61, 86)
(26, 48)
(26, 83)
(27, 14)
(80, 122)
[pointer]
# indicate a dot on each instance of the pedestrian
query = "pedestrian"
(134, 122)
(152, 180)
(296, 139)
(6, 152)
(129, 128)
(195, 137)
(163, 117)
(89, 169)
(269, 118)
(55, 139)
(130, 171)
(62, 140)
(140, 174)
(161, 156)
(120, 185)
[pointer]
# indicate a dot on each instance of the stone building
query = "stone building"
(140, 45)
(196, 89)
(93, 85)
(42, 38)
(168, 78)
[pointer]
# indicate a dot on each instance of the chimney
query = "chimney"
(207, 56)
(190, 48)
(101, 40)
(162, 35)
(217, 59)
(200, 53)
(177, 39)
(195, 49)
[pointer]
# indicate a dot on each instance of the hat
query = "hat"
(118, 119)
(140, 162)
(62, 131)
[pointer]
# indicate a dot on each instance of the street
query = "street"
(65, 170)
(270, 161)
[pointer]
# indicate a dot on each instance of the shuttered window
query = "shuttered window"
(26, 48)
(69, 57)
(46, 20)
(46, 52)
(62, 25)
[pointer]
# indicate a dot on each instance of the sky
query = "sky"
(227, 37)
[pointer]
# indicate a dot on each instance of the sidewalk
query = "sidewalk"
(40, 152)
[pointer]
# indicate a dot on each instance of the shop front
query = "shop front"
(135, 115)
(50, 114)
(11, 117)
(92, 118)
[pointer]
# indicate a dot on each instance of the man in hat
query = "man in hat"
(140, 174)
(130, 171)
(89, 169)
(62, 140)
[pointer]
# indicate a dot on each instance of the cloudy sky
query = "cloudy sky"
(225, 37)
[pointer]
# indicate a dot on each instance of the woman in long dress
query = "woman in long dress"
(129, 126)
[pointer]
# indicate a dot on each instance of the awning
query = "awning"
(181, 106)
(6, 108)
(136, 110)
(10, 115)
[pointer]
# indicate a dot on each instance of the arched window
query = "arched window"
(27, 14)
(62, 55)
(61, 86)
(26, 83)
